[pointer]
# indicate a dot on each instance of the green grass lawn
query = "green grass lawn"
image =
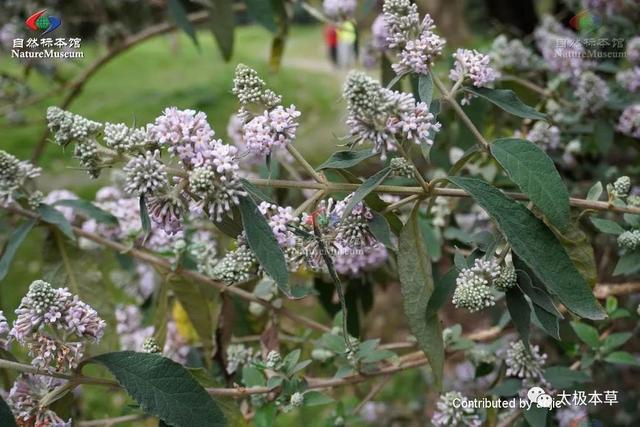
(170, 71)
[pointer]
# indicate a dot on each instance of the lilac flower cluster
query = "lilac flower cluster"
(339, 9)
(629, 79)
(475, 66)
(348, 238)
(629, 121)
(415, 42)
(633, 50)
(25, 397)
(271, 130)
(385, 117)
(266, 125)
(512, 54)
(592, 92)
(562, 51)
(45, 309)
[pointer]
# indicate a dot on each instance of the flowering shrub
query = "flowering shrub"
(202, 240)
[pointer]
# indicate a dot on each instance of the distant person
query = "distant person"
(331, 39)
(346, 44)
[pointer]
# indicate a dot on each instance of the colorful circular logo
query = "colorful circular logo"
(42, 21)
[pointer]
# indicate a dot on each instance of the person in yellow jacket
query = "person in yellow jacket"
(347, 36)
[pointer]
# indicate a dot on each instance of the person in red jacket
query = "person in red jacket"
(331, 39)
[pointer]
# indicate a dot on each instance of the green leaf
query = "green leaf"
(14, 242)
(144, 219)
(425, 88)
(275, 55)
(628, 263)
(615, 340)
(416, 285)
(508, 387)
(587, 334)
(537, 246)
(536, 175)
(520, 313)
(508, 101)
(252, 376)
(264, 244)
(562, 377)
(346, 159)
(578, 246)
(262, 12)
(548, 322)
(201, 304)
(179, 15)
(607, 226)
(442, 291)
(315, 398)
(53, 216)
(595, 192)
(431, 238)
(163, 388)
(536, 417)
(6, 416)
(535, 292)
(90, 210)
(222, 21)
(622, 358)
(380, 229)
(265, 415)
(256, 192)
(367, 187)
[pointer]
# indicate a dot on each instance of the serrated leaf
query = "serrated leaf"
(52, 216)
(537, 246)
(595, 191)
(178, 14)
(520, 313)
(416, 284)
(90, 210)
(163, 388)
(6, 416)
(264, 244)
(380, 229)
(607, 226)
(425, 88)
(536, 175)
(508, 101)
(346, 159)
(14, 242)
(562, 377)
(587, 334)
(622, 358)
(262, 12)
(367, 187)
